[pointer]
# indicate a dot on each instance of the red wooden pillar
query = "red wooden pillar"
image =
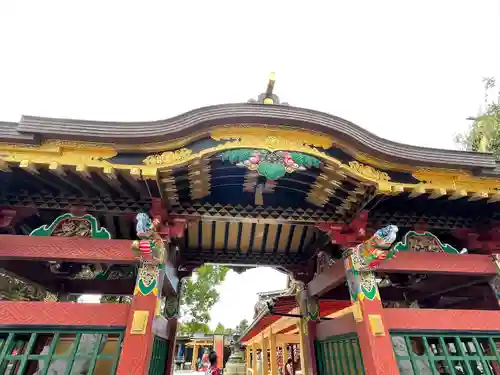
(138, 340)
(219, 349)
(374, 338)
(309, 309)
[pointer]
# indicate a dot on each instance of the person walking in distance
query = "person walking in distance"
(213, 369)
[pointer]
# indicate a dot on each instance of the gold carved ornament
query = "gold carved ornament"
(272, 139)
(169, 157)
(55, 153)
(139, 324)
(369, 171)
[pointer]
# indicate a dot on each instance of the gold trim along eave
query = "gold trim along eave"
(57, 154)
(219, 132)
(316, 139)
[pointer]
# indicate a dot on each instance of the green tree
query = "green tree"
(190, 328)
(484, 133)
(242, 327)
(221, 330)
(199, 294)
(116, 299)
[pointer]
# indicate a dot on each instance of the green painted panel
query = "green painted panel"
(159, 356)
(67, 351)
(454, 354)
(339, 355)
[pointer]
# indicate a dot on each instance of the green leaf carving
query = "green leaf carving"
(237, 156)
(305, 160)
(272, 171)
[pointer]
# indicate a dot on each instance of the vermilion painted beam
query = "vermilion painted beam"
(336, 327)
(467, 264)
(411, 262)
(75, 249)
(18, 313)
(327, 280)
(432, 319)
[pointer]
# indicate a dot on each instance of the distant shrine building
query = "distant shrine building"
(392, 250)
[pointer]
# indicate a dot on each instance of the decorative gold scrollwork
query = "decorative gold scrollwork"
(369, 171)
(169, 157)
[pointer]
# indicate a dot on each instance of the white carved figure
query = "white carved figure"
(88, 341)
(259, 363)
(405, 367)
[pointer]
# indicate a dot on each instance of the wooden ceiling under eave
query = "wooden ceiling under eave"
(59, 187)
(223, 191)
(215, 241)
(437, 213)
(236, 215)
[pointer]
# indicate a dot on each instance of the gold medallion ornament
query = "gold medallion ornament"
(139, 322)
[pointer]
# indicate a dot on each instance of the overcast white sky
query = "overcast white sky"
(406, 70)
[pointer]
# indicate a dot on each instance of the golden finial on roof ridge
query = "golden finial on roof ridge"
(269, 97)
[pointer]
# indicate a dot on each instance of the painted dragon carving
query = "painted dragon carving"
(150, 249)
(360, 260)
(150, 246)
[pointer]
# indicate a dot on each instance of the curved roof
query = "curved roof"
(285, 305)
(34, 129)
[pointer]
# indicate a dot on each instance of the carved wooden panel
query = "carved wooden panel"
(56, 248)
(18, 313)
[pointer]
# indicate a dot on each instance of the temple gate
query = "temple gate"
(127, 210)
